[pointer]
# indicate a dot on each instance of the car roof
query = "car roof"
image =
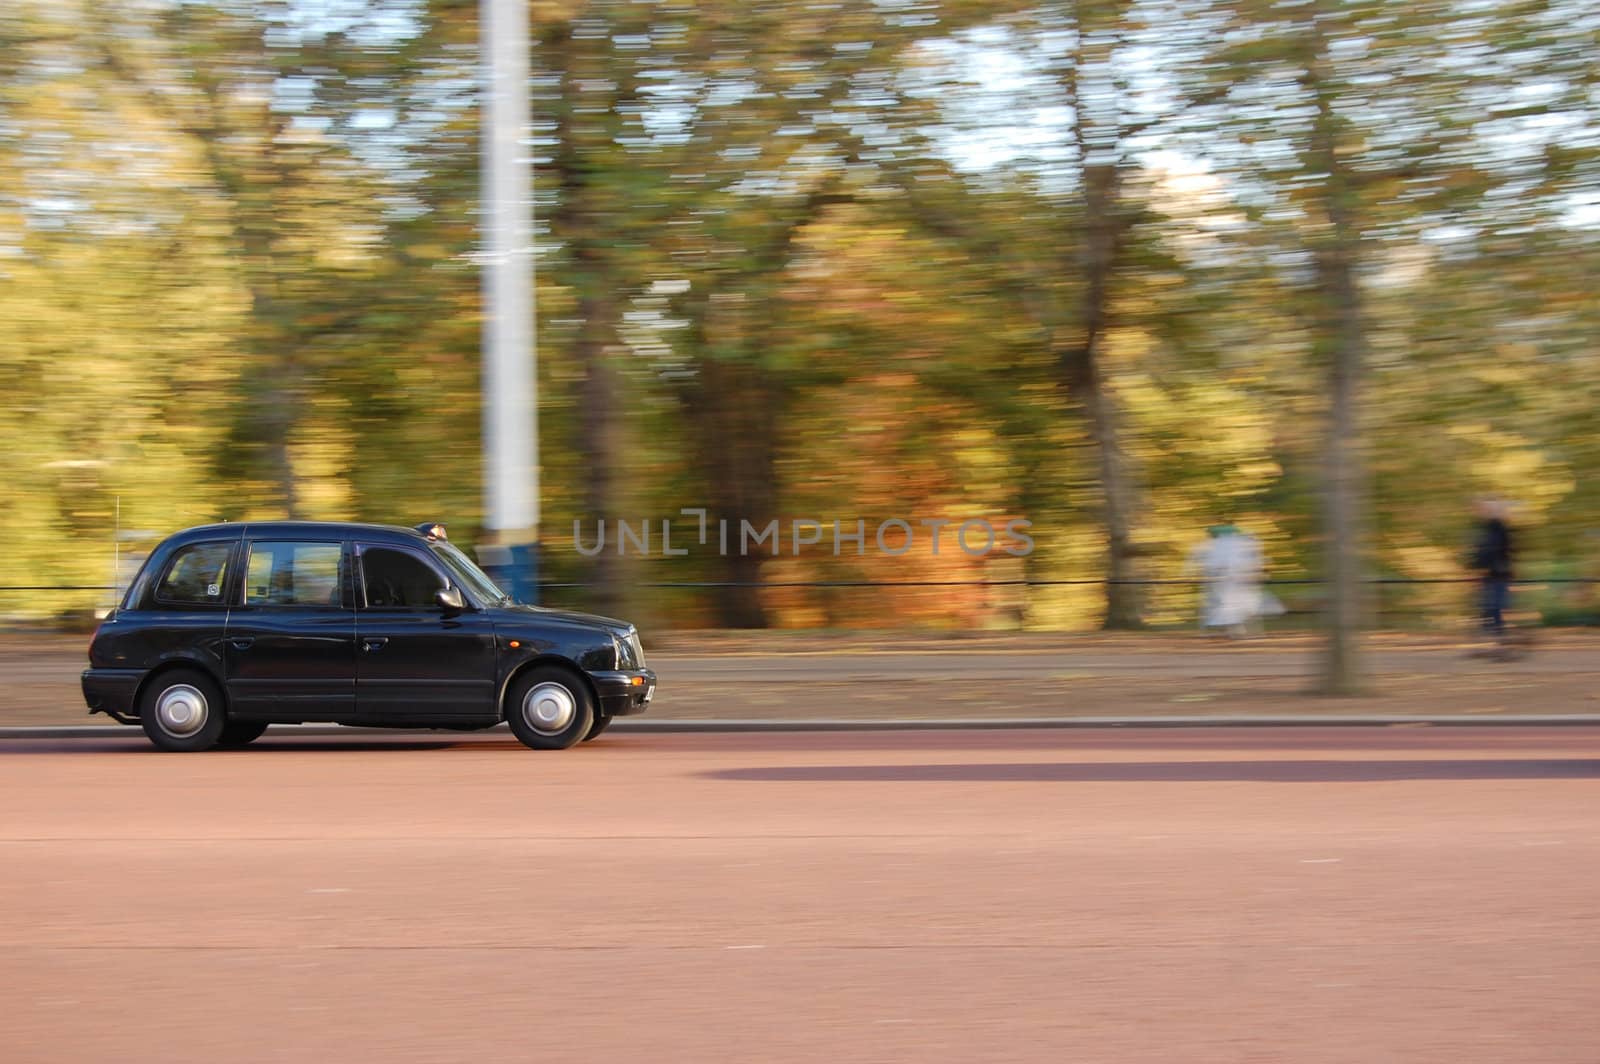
(310, 529)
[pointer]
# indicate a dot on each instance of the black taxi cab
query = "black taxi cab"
(230, 628)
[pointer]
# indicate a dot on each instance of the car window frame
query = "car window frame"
(247, 546)
(360, 574)
(229, 567)
(441, 558)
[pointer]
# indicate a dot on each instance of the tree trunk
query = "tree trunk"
(1117, 490)
(1343, 671)
(735, 414)
(740, 607)
(583, 219)
(1083, 372)
(1343, 496)
(280, 403)
(598, 441)
(265, 418)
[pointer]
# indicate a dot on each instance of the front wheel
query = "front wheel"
(182, 711)
(549, 709)
(601, 723)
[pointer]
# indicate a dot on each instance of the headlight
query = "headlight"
(627, 653)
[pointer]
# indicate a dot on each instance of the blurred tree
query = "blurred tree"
(834, 259)
(266, 95)
(114, 313)
(593, 56)
(1094, 85)
(780, 112)
(1071, 238)
(1339, 170)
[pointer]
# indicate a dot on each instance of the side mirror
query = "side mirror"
(450, 600)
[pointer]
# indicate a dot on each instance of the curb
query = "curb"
(662, 727)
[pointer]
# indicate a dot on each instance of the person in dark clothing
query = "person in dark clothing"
(1491, 558)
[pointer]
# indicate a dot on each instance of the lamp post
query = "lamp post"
(510, 408)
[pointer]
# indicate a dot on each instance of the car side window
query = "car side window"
(284, 573)
(398, 579)
(197, 575)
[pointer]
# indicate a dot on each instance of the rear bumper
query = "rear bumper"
(624, 694)
(111, 691)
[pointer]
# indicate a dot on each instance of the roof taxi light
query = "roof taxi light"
(433, 530)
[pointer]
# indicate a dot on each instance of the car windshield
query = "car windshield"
(469, 575)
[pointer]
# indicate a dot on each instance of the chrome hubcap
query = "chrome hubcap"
(549, 708)
(181, 710)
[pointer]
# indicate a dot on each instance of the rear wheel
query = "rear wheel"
(237, 733)
(182, 711)
(601, 723)
(549, 709)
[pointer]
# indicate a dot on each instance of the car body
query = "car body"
(229, 628)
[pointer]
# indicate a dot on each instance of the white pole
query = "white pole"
(510, 428)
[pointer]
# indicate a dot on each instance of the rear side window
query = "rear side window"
(197, 575)
(397, 579)
(293, 574)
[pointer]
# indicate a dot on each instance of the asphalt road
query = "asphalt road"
(1227, 895)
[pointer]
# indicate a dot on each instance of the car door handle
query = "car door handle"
(374, 643)
(240, 642)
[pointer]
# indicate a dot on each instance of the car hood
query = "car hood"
(514, 610)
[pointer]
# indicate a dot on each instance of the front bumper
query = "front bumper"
(624, 693)
(111, 691)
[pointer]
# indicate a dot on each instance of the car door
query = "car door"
(290, 646)
(185, 613)
(416, 662)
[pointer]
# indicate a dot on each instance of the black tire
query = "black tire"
(237, 733)
(183, 711)
(601, 723)
(549, 708)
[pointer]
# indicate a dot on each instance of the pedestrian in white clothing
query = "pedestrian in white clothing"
(1229, 562)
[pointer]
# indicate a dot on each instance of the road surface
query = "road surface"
(1217, 895)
